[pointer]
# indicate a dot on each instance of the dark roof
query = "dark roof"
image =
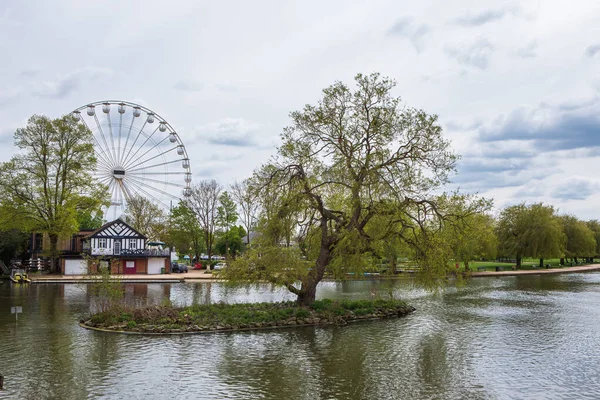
(109, 224)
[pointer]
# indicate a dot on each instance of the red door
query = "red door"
(129, 267)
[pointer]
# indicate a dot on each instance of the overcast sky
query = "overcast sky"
(516, 85)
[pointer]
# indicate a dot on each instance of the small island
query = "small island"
(234, 317)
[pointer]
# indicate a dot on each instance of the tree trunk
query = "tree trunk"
(575, 259)
(466, 265)
(53, 253)
(394, 265)
(518, 262)
(562, 261)
(541, 263)
(308, 290)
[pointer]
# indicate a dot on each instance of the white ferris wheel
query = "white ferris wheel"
(138, 154)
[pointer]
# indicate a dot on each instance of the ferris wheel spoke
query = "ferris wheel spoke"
(103, 139)
(101, 154)
(179, 185)
(129, 159)
(119, 142)
(156, 165)
(112, 140)
(141, 188)
(155, 189)
(156, 173)
(148, 151)
(128, 134)
(126, 158)
(152, 158)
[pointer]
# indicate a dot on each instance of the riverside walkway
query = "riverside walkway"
(579, 268)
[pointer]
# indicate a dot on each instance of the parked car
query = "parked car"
(181, 268)
(219, 266)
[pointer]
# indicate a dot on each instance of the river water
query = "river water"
(523, 337)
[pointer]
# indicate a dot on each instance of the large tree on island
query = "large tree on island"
(49, 182)
(347, 165)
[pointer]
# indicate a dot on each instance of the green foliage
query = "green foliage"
(12, 243)
(530, 231)
(581, 239)
(107, 290)
(89, 220)
(226, 217)
(353, 178)
(235, 316)
(594, 225)
(49, 182)
(146, 217)
(184, 232)
(232, 240)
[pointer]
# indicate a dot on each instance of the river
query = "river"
(522, 337)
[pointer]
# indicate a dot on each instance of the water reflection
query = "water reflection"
(500, 338)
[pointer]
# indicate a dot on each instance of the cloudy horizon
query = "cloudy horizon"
(516, 85)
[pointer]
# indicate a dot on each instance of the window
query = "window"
(133, 244)
(102, 243)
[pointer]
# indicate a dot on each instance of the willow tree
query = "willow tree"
(356, 159)
(530, 231)
(49, 182)
(581, 239)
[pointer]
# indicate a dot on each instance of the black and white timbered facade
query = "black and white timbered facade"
(123, 247)
(117, 239)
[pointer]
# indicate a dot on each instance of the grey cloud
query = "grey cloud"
(64, 85)
(575, 189)
(188, 86)
(413, 31)
(592, 50)
(481, 18)
(547, 128)
(477, 55)
(235, 132)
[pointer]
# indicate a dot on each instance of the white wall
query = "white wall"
(76, 267)
(155, 264)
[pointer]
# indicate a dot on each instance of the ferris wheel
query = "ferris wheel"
(138, 154)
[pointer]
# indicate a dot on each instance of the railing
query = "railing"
(130, 252)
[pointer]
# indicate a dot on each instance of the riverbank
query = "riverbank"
(202, 276)
(563, 270)
(247, 316)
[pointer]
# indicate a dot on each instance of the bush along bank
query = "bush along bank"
(231, 317)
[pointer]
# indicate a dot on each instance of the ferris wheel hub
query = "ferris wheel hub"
(118, 173)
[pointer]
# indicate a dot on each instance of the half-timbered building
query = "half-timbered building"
(118, 245)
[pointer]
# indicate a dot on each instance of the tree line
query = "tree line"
(356, 180)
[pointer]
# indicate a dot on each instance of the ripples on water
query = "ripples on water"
(496, 338)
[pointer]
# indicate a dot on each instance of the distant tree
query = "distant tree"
(184, 231)
(232, 240)
(49, 182)
(581, 240)
(226, 216)
(204, 201)
(246, 198)
(146, 217)
(13, 243)
(594, 225)
(89, 220)
(355, 157)
(530, 231)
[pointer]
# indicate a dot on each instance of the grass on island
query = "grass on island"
(215, 317)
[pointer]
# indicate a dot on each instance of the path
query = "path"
(580, 268)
